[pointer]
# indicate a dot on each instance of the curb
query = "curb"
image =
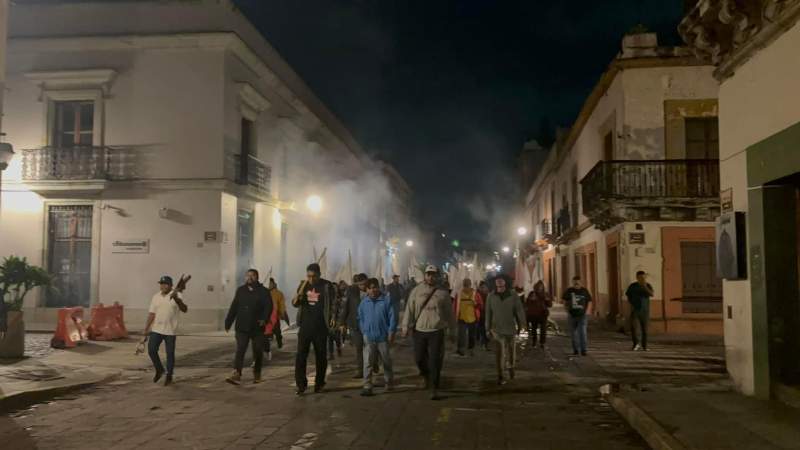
(21, 399)
(656, 436)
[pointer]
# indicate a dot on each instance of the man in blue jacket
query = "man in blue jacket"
(377, 320)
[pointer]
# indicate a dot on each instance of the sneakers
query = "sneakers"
(257, 378)
(366, 393)
(318, 388)
(637, 348)
(269, 356)
(501, 381)
(158, 375)
(300, 391)
(235, 378)
(168, 380)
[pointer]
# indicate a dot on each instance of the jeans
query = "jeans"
(429, 355)
(319, 338)
(466, 335)
(505, 352)
(483, 339)
(540, 324)
(577, 330)
(242, 341)
(373, 351)
(357, 340)
(643, 317)
(153, 345)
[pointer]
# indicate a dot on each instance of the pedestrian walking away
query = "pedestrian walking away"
(639, 294)
(537, 310)
(429, 313)
(377, 320)
(577, 301)
(314, 300)
(162, 325)
(505, 318)
(481, 298)
(467, 312)
(250, 309)
(335, 338)
(279, 302)
(348, 319)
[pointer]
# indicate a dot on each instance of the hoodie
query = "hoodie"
(377, 318)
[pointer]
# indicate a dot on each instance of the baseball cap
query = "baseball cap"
(165, 279)
(431, 268)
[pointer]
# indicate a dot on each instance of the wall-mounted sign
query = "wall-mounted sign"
(636, 238)
(211, 236)
(131, 246)
(726, 200)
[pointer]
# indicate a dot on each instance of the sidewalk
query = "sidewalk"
(31, 379)
(678, 395)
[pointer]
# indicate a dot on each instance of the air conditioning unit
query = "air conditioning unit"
(731, 246)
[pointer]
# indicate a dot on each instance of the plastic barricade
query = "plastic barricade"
(107, 323)
(69, 329)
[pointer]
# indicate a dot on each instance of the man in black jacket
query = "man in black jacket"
(348, 318)
(314, 301)
(251, 309)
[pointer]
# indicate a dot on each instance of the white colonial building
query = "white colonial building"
(634, 185)
(157, 137)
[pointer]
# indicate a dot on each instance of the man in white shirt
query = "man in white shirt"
(162, 323)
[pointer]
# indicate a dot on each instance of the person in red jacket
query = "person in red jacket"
(537, 309)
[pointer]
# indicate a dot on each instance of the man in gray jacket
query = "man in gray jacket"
(429, 313)
(505, 317)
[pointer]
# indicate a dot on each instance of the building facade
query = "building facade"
(754, 49)
(169, 137)
(634, 185)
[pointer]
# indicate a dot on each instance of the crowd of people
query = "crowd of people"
(370, 315)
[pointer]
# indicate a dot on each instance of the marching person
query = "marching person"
(397, 294)
(162, 323)
(468, 313)
(638, 295)
(251, 308)
(504, 320)
(279, 302)
(348, 319)
(537, 310)
(377, 320)
(335, 339)
(576, 301)
(482, 297)
(429, 313)
(314, 301)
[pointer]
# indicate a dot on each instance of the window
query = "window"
(702, 289)
(69, 253)
(73, 124)
(702, 138)
(244, 242)
(608, 147)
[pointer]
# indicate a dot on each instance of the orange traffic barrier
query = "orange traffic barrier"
(107, 323)
(69, 330)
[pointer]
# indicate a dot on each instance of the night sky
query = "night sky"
(448, 91)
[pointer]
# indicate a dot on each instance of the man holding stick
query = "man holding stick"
(162, 324)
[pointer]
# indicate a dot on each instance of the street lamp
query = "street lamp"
(409, 243)
(6, 153)
(506, 249)
(522, 231)
(314, 203)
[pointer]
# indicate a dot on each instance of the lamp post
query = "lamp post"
(314, 203)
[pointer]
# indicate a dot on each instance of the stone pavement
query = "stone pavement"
(553, 403)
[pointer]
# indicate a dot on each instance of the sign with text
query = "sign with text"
(636, 238)
(726, 200)
(131, 246)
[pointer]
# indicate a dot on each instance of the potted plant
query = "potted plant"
(17, 278)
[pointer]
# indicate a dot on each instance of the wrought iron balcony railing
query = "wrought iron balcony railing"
(254, 172)
(643, 180)
(77, 163)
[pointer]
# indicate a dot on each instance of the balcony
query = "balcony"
(83, 168)
(254, 174)
(616, 191)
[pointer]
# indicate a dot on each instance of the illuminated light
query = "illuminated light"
(522, 231)
(409, 243)
(444, 235)
(489, 266)
(277, 219)
(314, 203)
(456, 243)
(506, 249)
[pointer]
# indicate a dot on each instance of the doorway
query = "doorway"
(612, 262)
(69, 255)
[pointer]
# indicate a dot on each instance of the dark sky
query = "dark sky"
(448, 91)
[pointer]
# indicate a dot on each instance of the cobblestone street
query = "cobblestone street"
(552, 403)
